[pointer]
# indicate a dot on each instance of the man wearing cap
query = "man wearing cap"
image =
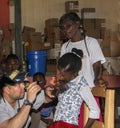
(15, 103)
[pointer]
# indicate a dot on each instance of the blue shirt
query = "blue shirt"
(45, 112)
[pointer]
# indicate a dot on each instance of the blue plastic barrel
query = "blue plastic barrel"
(36, 61)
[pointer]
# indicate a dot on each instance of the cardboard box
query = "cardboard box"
(12, 30)
(35, 41)
(72, 6)
(94, 23)
(27, 29)
(54, 53)
(84, 10)
(5, 47)
(11, 26)
(111, 46)
(26, 32)
(94, 27)
(57, 33)
(51, 22)
(53, 32)
(35, 37)
(58, 41)
(47, 45)
(51, 40)
(87, 13)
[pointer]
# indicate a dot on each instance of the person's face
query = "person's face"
(65, 76)
(69, 28)
(17, 91)
(13, 65)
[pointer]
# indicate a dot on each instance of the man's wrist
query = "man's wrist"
(27, 102)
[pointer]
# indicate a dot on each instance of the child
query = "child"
(13, 67)
(75, 93)
(44, 116)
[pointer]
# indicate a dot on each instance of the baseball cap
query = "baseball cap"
(8, 80)
(17, 76)
(4, 81)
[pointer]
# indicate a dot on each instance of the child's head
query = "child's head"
(39, 77)
(69, 65)
(13, 63)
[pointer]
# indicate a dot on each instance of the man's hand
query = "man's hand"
(32, 91)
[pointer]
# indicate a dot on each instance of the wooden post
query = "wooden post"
(109, 107)
(18, 34)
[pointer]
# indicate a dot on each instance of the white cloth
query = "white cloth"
(70, 101)
(7, 111)
(95, 54)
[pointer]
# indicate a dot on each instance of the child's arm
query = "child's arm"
(92, 105)
(89, 123)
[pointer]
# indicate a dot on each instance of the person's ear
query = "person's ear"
(6, 89)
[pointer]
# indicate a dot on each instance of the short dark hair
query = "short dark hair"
(38, 74)
(12, 56)
(70, 16)
(42, 79)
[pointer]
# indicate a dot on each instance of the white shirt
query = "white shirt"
(7, 111)
(70, 101)
(95, 54)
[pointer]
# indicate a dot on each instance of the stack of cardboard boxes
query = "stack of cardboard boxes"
(33, 40)
(111, 49)
(54, 37)
(5, 45)
(26, 33)
(94, 27)
(111, 44)
(110, 40)
(72, 6)
(51, 31)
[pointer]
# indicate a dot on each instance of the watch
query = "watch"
(27, 102)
